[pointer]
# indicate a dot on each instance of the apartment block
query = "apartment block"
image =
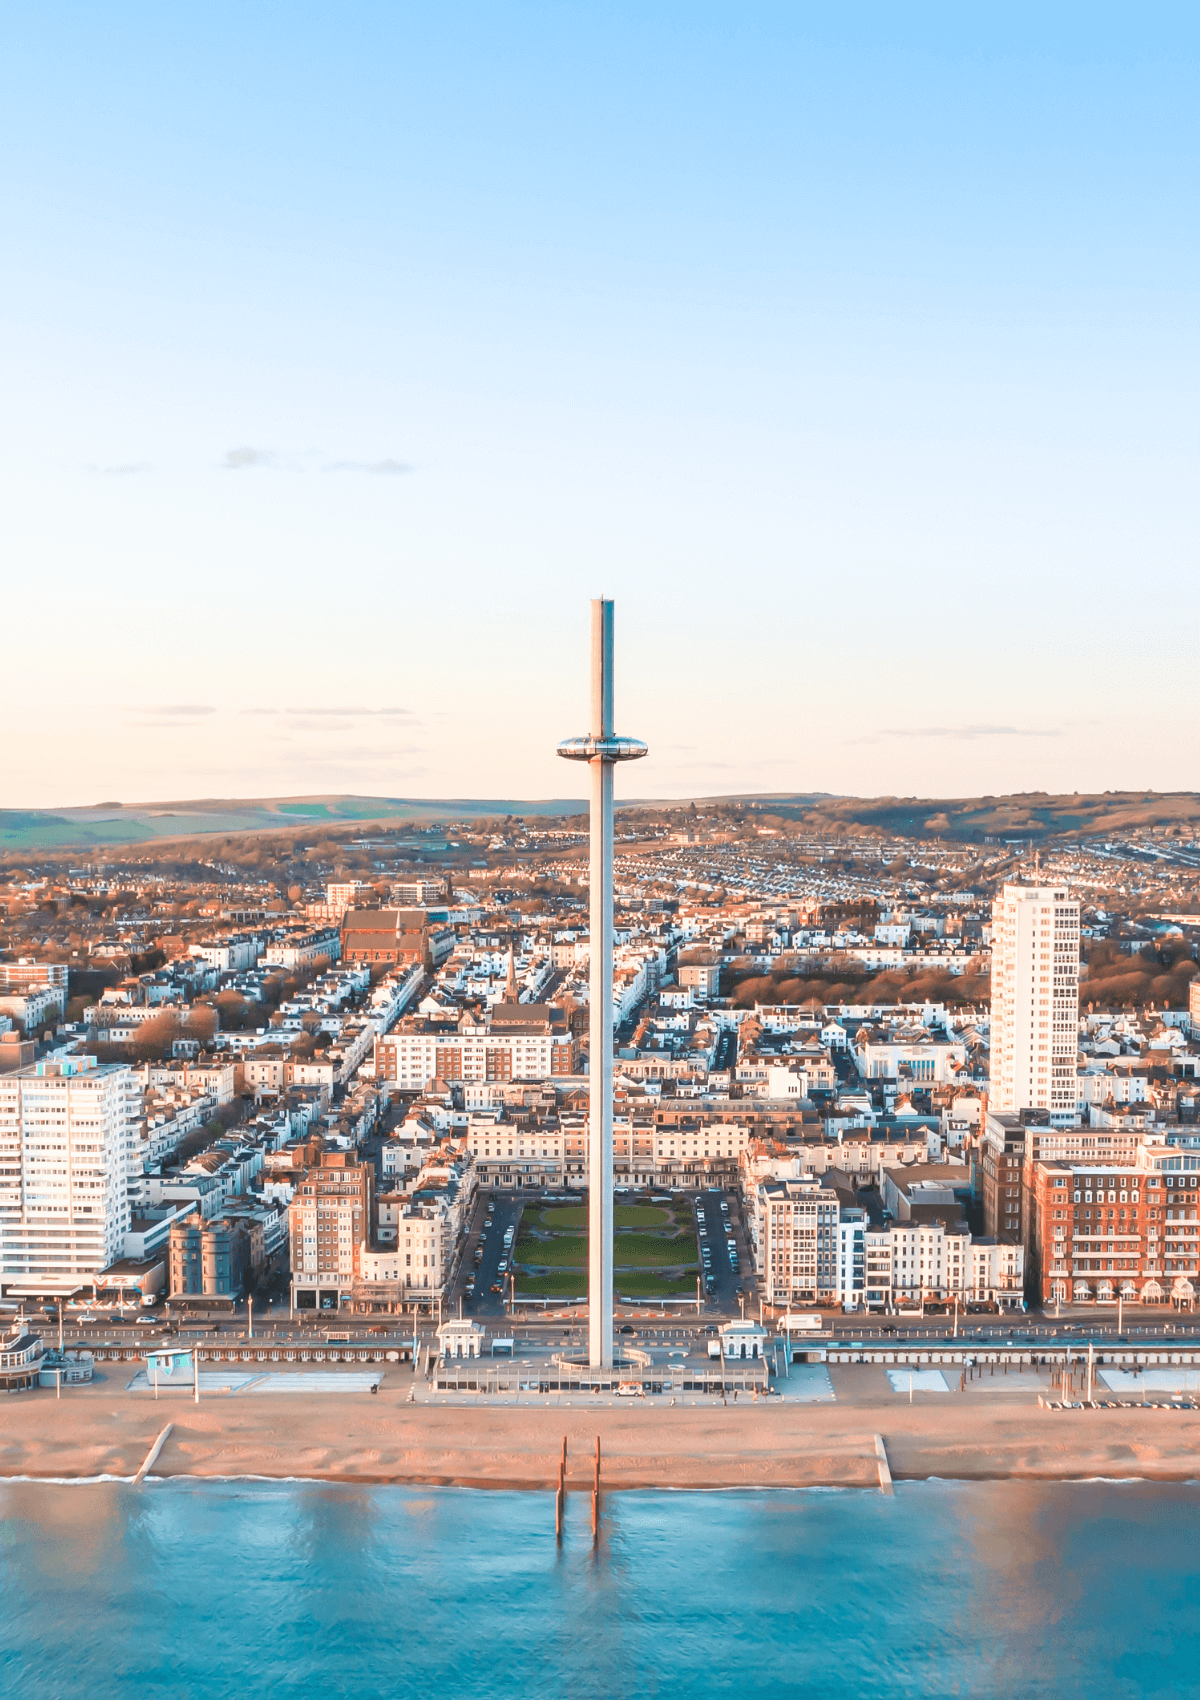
(329, 1228)
(702, 975)
(934, 1259)
(23, 974)
(209, 1259)
(229, 954)
(1103, 1230)
(1035, 1001)
(341, 895)
(67, 1135)
(419, 1233)
(417, 892)
(794, 1231)
(1000, 1162)
(302, 950)
(513, 1042)
(34, 1007)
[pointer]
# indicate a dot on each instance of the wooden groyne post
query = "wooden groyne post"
(561, 1495)
(596, 1496)
(153, 1453)
(885, 1474)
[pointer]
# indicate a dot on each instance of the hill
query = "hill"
(142, 823)
(1020, 818)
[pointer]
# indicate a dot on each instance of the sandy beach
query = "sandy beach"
(104, 1429)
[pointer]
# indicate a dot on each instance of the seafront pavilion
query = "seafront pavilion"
(601, 749)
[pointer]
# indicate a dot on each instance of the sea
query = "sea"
(244, 1588)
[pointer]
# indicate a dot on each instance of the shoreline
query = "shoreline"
(105, 1431)
(469, 1486)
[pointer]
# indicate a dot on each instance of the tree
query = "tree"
(155, 1037)
(236, 1012)
(201, 1024)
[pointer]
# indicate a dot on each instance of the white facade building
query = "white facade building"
(1035, 1001)
(230, 954)
(67, 1136)
(852, 1256)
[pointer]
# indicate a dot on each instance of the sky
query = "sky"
(348, 350)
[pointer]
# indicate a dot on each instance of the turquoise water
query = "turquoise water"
(221, 1589)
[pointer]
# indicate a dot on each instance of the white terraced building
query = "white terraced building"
(68, 1132)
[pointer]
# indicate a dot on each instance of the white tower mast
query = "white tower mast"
(601, 749)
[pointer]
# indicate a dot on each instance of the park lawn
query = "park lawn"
(564, 1283)
(624, 1216)
(639, 1251)
(630, 1251)
(562, 1249)
(645, 1284)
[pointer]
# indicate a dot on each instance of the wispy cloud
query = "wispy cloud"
(386, 467)
(347, 753)
(969, 732)
(337, 713)
(238, 460)
(168, 716)
(354, 713)
(121, 469)
(174, 710)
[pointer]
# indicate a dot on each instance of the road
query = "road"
(712, 1225)
(503, 1210)
(652, 1328)
(726, 1053)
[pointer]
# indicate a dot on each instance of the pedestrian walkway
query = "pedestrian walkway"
(807, 1384)
(301, 1381)
(1130, 1386)
(920, 1380)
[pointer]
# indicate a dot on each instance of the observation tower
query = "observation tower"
(601, 749)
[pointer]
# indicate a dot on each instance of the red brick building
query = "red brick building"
(1100, 1230)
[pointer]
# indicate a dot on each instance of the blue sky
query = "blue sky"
(349, 350)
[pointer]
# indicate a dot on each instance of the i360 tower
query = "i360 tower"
(601, 749)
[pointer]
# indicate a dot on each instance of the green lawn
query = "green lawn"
(564, 1283)
(645, 1284)
(562, 1249)
(624, 1216)
(639, 1251)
